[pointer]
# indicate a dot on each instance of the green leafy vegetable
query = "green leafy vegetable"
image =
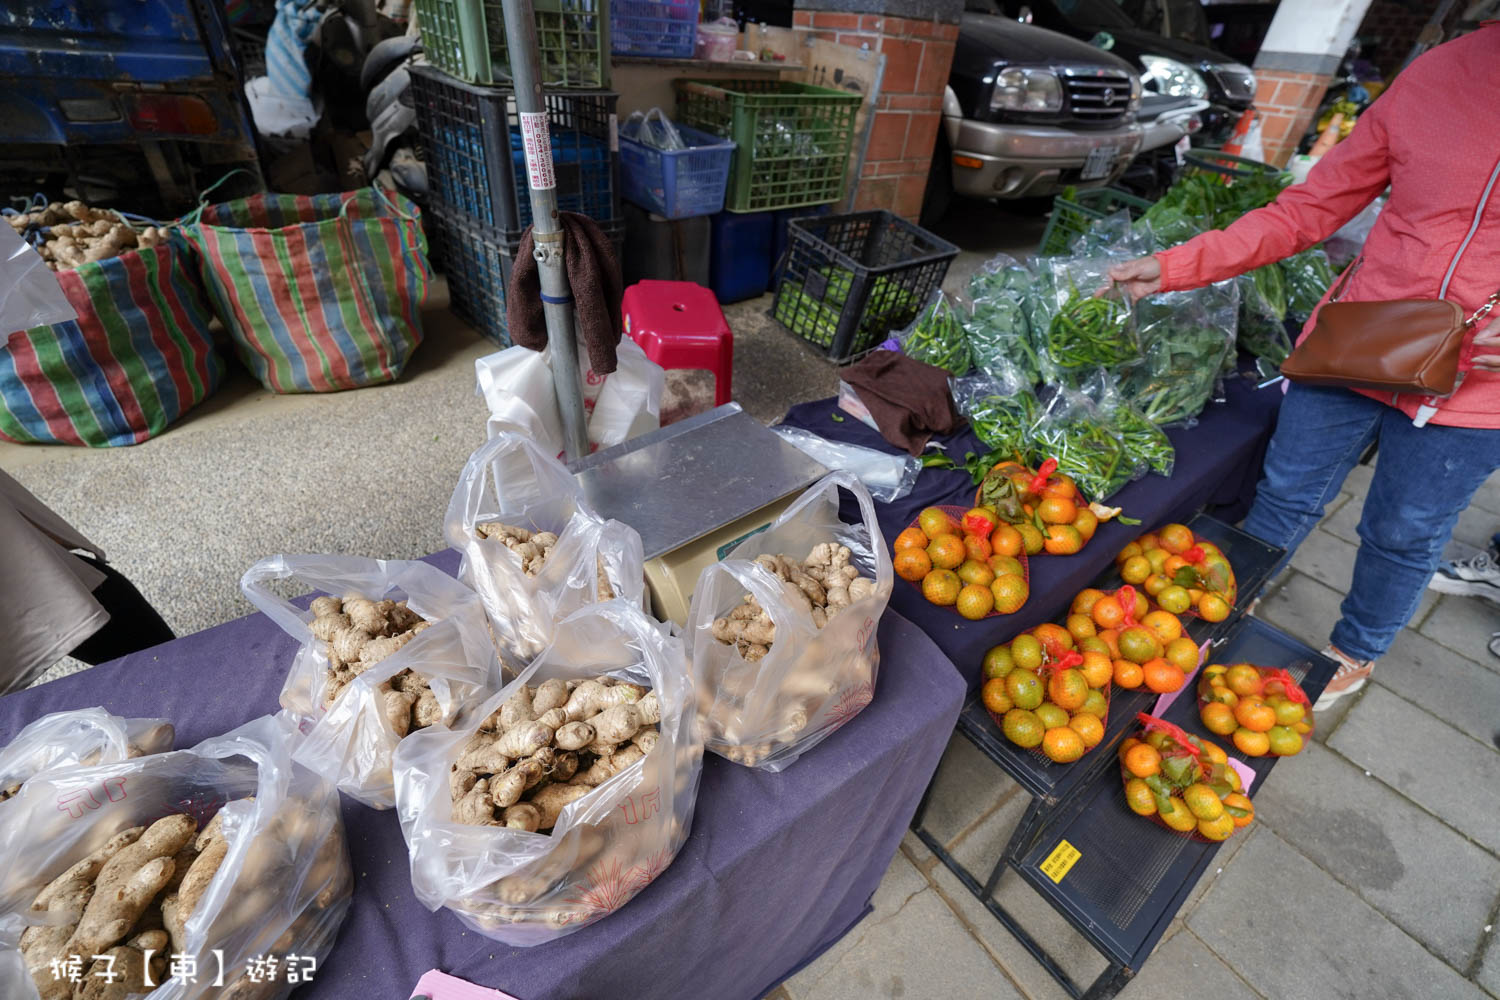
(936, 336)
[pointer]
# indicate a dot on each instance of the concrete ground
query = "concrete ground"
(1372, 871)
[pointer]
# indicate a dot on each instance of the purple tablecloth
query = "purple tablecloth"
(777, 868)
(1218, 465)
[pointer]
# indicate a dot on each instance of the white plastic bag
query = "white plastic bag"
(528, 888)
(767, 713)
(517, 387)
(888, 477)
(282, 888)
(83, 737)
(29, 293)
(350, 742)
(513, 481)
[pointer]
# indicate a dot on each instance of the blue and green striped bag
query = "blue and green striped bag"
(319, 293)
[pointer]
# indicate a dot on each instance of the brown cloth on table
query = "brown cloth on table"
(908, 399)
(593, 278)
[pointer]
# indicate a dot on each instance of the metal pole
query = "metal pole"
(546, 232)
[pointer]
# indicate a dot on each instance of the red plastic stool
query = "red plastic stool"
(679, 325)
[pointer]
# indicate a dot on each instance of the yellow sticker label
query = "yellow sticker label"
(1061, 861)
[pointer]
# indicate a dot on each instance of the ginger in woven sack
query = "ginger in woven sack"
(74, 233)
(548, 746)
(359, 633)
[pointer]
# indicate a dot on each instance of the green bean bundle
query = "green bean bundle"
(1089, 331)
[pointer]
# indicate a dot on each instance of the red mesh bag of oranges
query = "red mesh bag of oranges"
(960, 560)
(1146, 648)
(1046, 695)
(1182, 782)
(1261, 709)
(1041, 508)
(1180, 572)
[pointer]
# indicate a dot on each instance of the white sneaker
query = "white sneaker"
(1477, 576)
(1349, 678)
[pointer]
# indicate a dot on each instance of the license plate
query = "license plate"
(1100, 162)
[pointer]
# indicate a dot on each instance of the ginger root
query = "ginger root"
(359, 633)
(532, 548)
(547, 746)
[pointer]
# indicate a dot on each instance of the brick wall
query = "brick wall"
(1286, 102)
(908, 111)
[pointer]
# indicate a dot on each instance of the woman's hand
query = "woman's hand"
(1486, 347)
(1142, 277)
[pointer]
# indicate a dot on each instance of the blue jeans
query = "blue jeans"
(1423, 481)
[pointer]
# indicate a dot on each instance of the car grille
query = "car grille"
(1098, 97)
(1239, 85)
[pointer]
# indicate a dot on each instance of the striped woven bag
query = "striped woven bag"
(138, 357)
(319, 293)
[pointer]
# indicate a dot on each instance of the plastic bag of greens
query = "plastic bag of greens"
(1001, 411)
(1179, 372)
(999, 329)
(1070, 430)
(936, 336)
(1307, 275)
(1263, 307)
(1113, 235)
(1083, 329)
(1145, 443)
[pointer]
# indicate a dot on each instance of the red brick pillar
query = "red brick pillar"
(908, 110)
(1301, 52)
(1286, 102)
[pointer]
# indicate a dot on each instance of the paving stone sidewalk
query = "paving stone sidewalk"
(1372, 870)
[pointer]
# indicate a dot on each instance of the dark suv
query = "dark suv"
(1029, 112)
(1169, 64)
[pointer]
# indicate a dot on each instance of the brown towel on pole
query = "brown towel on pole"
(594, 279)
(908, 399)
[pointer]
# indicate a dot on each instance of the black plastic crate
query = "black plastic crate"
(477, 261)
(848, 280)
(476, 164)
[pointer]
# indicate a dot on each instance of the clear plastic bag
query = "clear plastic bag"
(282, 889)
(527, 888)
(768, 712)
(29, 293)
(1308, 275)
(1070, 430)
(512, 481)
(936, 335)
(653, 128)
(1000, 411)
(1084, 330)
(1145, 443)
(349, 740)
(888, 477)
(1114, 235)
(80, 738)
(1000, 334)
(1189, 338)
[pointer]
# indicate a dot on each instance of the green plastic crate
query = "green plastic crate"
(466, 39)
(792, 139)
(1071, 218)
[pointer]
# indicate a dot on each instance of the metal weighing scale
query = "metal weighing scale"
(693, 489)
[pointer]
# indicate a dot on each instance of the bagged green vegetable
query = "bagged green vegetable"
(1084, 330)
(1070, 430)
(936, 336)
(1307, 275)
(1000, 412)
(1190, 336)
(1145, 443)
(999, 331)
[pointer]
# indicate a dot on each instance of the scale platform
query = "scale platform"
(693, 489)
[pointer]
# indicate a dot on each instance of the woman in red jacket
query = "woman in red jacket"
(1434, 138)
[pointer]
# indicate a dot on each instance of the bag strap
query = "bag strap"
(1483, 310)
(1338, 289)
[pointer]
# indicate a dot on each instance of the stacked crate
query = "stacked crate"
(479, 190)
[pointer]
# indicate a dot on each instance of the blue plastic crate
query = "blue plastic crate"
(677, 183)
(666, 30)
(475, 163)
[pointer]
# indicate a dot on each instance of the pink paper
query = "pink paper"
(1165, 701)
(1246, 773)
(436, 985)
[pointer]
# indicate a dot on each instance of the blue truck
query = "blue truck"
(133, 103)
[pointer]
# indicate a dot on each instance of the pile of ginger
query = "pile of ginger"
(549, 746)
(75, 233)
(360, 633)
(822, 585)
(534, 548)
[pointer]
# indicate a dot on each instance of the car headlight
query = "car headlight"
(1026, 90)
(1172, 78)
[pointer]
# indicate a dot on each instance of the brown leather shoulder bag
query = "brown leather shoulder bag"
(1400, 345)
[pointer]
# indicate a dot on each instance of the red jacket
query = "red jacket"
(1434, 138)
